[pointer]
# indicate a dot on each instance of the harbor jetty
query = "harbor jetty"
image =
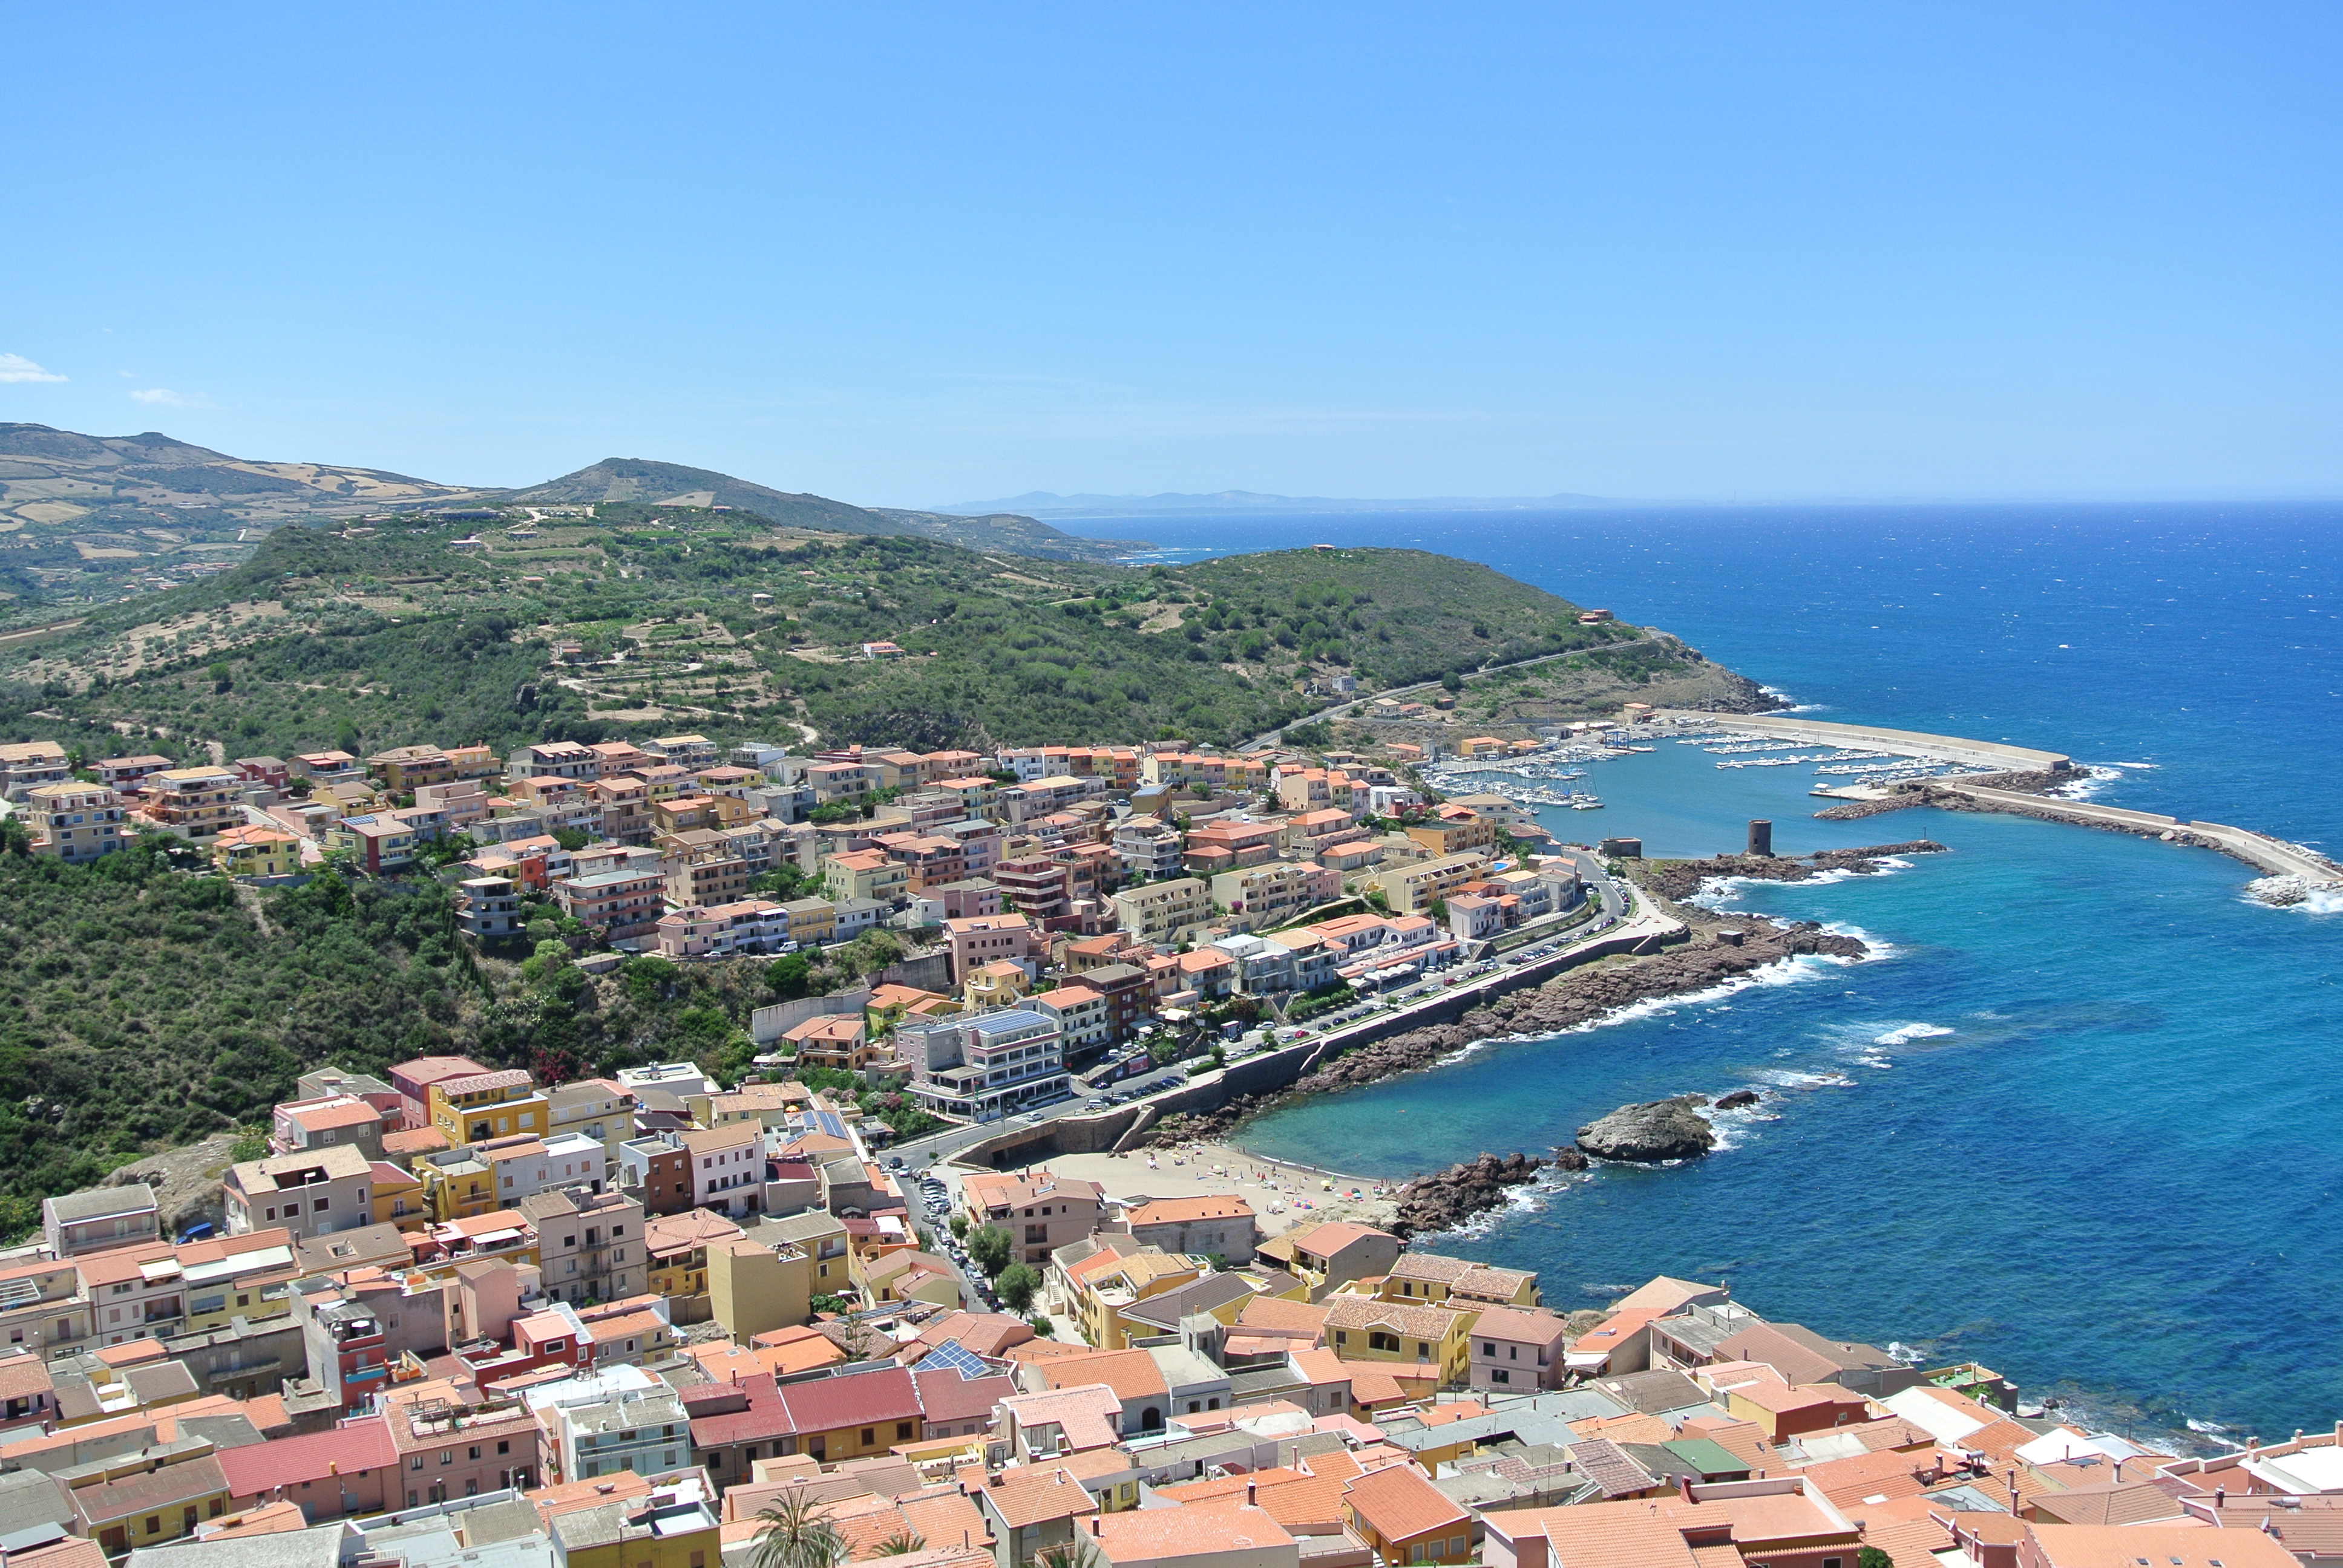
(2292, 870)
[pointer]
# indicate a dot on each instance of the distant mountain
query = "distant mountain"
(1046, 504)
(49, 476)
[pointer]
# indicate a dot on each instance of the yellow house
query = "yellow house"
(996, 984)
(251, 852)
(1359, 1328)
(1100, 1295)
(399, 1198)
(471, 1180)
(676, 1246)
(485, 1105)
(1429, 1277)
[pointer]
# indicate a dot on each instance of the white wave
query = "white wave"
(1879, 947)
(2096, 778)
(2292, 893)
(1881, 1062)
(1794, 1078)
(2150, 766)
(1906, 1033)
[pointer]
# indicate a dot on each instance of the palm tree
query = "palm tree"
(1083, 1551)
(902, 1544)
(796, 1532)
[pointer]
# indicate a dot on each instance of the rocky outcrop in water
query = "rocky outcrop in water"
(1648, 1133)
(1736, 1099)
(1447, 1199)
(1682, 879)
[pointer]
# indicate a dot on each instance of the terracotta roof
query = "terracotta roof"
(1151, 1534)
(24, 1376)
(258, 1468)
(1032, 1494)
(1174, 1210)
(1273, 1314)
(948, 1396)
(1419, 1323)
(1400, 1504)
(1519, 1325)
(1132, 1374)
(2189, 1545)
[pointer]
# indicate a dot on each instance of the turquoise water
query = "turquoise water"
(2080, 1120)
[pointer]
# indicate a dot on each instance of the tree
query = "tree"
(902, 1544)
(1872, 1557)
(790, 975)
(1452, 681)
(795, 1531)
(989, 1247)
(959, 1226)
(1016, 1285)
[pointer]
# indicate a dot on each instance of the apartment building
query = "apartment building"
(1275, 893)
(1041, 1212)
(196, 803)
(1414, 889)
(982, 1066)
(591, 1246)
(980, 939)
(472, 1107)
(623, 903)
(74, 821)
(26, 765)
(1162, 913)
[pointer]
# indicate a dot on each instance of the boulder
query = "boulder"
(1569, 1157)
(1736, 1099)
(1655, 1130)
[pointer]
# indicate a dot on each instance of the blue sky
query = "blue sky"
(920, 254)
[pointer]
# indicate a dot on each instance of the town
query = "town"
(799, 1315)
(1058, 905)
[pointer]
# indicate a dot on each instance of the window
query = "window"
(1501, 1375)
(320, 1205)
(870, 1436)
(475, 1452)
(415, 1464)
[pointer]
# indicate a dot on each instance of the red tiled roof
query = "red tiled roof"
(258, 1468)
(1399, 1505)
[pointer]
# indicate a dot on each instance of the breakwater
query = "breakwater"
(1994, 755)
(2297, 866)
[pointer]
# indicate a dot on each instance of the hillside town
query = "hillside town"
(1054, 904)
(454, 1316)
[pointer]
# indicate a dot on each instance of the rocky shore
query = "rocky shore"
(1679, 879)
(1447, 1199)
(1648, 1133)
(1578, 997)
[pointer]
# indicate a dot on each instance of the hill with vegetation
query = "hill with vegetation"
(94, 519)
(641, 619)
(142, 1007)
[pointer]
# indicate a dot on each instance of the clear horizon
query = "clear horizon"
(1836, 256)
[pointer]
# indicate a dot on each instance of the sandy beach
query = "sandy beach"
(1282, 1195)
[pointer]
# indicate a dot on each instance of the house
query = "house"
(1404, 1518)
(1230, 1533)
(1041, 1212)
(309, 1192)
(1518, 1350)
(1331, 1254)
(1429, 1277)
(254, 851)
(1435, 1339)
(300, 1125)
(1218, 1227)
(1034, 1512)
(980, 939)
(196, 803)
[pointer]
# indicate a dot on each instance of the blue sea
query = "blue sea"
(2080, 1120)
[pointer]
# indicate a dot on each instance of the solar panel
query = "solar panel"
(952, 1356)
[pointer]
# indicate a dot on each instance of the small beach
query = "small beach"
(1282, 1194)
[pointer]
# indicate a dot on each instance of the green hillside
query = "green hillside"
(378, 640)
